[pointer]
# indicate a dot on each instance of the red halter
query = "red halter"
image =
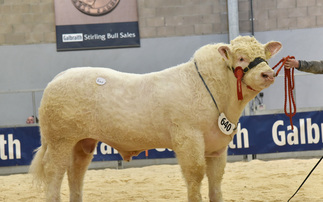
(239, 73)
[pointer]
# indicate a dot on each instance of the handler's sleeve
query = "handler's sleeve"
(315, 67)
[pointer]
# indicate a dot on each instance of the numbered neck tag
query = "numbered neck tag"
(225, 125)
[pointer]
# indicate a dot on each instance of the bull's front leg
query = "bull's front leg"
(214, 171)
(189, 148)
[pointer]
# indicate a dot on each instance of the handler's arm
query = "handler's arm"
(315, 67)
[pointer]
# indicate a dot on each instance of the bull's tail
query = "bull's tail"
(37, 165)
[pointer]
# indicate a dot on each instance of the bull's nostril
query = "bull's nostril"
(264, 75)
(268, 75)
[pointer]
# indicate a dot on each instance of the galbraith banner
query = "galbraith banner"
(96, 24)
(256, 135)
(272, 133)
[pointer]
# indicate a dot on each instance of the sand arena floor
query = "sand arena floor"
(253, 181)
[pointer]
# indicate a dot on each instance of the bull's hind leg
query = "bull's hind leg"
(214, 172)
(81, 158)
(55, 164)
(189, 149)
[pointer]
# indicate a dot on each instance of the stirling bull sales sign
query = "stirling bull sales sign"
(96, 24)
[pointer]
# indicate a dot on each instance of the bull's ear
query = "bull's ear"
(225, 52)
(271, 48)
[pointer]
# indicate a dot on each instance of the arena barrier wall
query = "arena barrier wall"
(259, 134)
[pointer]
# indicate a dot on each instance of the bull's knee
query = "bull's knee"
(215, 171)
(193, 171)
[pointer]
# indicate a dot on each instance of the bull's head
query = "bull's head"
(247, 58)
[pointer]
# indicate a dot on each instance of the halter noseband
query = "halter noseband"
(252, 64)
(239, 73)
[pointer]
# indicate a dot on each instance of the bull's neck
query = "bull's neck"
(234, 107)
(224, 90)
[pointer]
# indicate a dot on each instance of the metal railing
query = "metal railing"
(33, 96)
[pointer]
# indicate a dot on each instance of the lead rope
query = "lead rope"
(289, 87)
(306, 179)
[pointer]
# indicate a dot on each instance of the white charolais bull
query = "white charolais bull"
(173, 108)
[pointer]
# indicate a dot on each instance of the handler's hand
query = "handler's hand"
(290, 63)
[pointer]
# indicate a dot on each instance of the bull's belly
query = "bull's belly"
(133, 146)
(136, 141)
